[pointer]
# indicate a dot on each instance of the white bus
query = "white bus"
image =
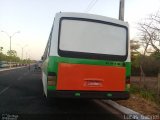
(87, 56)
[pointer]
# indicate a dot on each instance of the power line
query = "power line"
(91, 5)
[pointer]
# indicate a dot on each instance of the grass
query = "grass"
(146, 94)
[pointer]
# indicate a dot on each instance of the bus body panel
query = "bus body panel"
(44, 81)
(90, 77)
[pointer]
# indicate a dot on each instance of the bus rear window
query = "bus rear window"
(85, 38)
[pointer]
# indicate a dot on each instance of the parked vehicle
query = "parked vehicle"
(4, 64)
(38, 66)
(39, 63)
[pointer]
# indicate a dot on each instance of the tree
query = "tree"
(12, 56)
(135, 45)
(12, 53)
(150, 33)
(1, 48)
(135, 56)
(1, 54)
(156, 55)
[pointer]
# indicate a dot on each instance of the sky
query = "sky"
(33, 19)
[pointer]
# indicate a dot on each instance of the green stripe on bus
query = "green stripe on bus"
(54, 60)
(128, 69)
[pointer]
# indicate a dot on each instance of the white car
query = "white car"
(4, 64)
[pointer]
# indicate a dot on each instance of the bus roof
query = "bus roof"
(90, 16)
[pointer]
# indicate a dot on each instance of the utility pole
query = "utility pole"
(158, 84)
(121, 10)
(10, 38)
(22, 48)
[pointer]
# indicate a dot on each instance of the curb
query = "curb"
(6, 69)
(128, 113)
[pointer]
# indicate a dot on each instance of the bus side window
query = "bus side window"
(49, 42)
(45, 53)
(47, 49)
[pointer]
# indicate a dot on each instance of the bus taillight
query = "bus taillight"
(128, 82)
(52, 79)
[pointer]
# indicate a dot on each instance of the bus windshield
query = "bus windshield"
(92, 37)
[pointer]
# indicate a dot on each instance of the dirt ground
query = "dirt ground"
(139, 104)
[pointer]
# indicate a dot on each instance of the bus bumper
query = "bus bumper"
(116, 95)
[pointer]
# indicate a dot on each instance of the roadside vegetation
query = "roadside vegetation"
(145, 57)
(146, 94)
(11, 56)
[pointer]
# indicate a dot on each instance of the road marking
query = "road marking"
(4, 90)
(9, 86)
(7, 69)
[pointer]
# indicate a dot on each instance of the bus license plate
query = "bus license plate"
(94, 83)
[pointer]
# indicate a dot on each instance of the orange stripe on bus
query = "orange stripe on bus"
(90, 77)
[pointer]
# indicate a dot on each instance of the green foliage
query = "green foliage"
(1, 48)
(145, 93)
(12, 53)
(135, 59)
(134, 45)
(3, 57)
(135, 56)
(149, 95)
(150, 64)
(134, 89)
(156, 55)
(11, 56)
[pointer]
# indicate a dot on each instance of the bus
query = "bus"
(87, 56)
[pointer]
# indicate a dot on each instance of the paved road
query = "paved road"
(21, 97)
